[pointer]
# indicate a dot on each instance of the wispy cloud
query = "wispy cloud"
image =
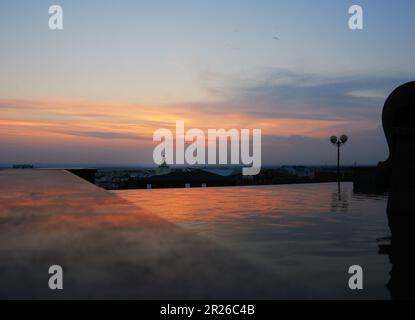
(286, 105)
(105, 135)
(373, 94)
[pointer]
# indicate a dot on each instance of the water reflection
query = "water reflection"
(401, 247)
(302, 232)
(109, 248)
(339, 201)
(266, 242)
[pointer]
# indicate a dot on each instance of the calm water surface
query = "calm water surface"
(302, 233)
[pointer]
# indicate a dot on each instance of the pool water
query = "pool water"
(302, 233)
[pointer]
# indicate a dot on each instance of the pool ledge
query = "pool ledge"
(110, 248)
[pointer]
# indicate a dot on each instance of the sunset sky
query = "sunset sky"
(95, 92)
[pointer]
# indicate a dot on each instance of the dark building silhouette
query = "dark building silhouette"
(86, 174)
(193, 178)
(399, 171)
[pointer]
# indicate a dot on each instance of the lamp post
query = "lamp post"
(338, 142)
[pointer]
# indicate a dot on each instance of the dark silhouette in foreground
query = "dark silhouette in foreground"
(399, 171)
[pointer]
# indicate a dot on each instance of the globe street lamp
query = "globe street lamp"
(338, 142)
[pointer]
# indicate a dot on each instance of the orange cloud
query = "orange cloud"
(60, 120)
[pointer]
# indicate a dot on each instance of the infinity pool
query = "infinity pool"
(302, 233)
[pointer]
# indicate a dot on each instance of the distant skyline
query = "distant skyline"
(95, 92)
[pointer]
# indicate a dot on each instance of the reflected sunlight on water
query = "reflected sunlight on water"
(302, 232)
